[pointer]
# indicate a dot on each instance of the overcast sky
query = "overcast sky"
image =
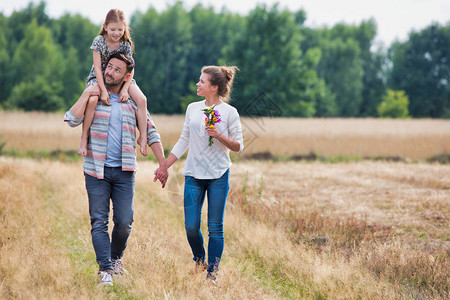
(395, 18)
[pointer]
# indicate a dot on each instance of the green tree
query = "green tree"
(19, 21)
(207, 38)
(268, 53)
(72, 82)
(34, 54)
(74, 34)
(421, 68)
(374, 78)
(5, 71)
(37, 64)
(394, 105)
(342, 69)
(37, 94)
(374, 81)
(354, 74)
(163, 42)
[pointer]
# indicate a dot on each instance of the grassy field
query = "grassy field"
(296, 230)
(413, 139)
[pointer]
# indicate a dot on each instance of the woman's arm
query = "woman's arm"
(234, 141)
(171, 159)
(231, 144)
(183, 142)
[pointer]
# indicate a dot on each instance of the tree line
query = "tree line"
(286, 68)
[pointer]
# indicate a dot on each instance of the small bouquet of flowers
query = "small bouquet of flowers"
(212, 117)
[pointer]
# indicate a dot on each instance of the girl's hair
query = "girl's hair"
(116, 16)
(223, 77)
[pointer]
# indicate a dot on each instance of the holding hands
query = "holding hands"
(161, 174)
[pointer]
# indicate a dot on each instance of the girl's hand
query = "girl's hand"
(123, 97)
(104, 97)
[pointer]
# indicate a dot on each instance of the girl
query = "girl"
(113, 37)
(206, 170)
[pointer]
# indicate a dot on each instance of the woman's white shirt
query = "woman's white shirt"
(204, 161)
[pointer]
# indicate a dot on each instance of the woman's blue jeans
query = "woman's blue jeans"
(117, 186)
(194, 196)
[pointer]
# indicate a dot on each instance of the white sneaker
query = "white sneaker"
(105, 278)
(117, 265)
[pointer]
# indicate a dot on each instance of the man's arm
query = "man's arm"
(161, 173)
(154, 141)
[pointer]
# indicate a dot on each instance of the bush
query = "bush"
(394, 105)
(37, 95)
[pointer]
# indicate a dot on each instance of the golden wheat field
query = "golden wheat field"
(414, 139)
(293, 229)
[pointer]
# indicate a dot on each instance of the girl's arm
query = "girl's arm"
(124, 95)
(99, 75)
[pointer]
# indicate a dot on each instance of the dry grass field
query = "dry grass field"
(414, 139)
(296, 230)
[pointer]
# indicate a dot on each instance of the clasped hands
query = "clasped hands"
(161, 174)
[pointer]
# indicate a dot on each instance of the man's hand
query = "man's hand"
(92, 90)
(162, 175)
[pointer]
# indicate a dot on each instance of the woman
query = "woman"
(211, 129)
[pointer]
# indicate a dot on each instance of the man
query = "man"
(110, 165)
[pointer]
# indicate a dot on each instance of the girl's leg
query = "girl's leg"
(141, 102)
(87, 122)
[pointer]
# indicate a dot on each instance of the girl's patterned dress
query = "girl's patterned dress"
(99, 45)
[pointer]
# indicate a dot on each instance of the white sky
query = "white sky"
(395, 18)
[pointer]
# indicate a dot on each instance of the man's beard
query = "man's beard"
(113, 82)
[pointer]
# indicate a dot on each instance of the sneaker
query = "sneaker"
(105, 278)
(200, 265)
(117, 265)
(212, 275)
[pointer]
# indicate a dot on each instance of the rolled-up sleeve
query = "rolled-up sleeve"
(71, 120)
(235, 129)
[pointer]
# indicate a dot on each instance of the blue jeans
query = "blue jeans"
(117, 186)
(194, 196)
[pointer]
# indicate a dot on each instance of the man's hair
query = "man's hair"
(127, 59)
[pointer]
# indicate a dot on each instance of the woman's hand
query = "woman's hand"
(228, 142)
(161, 174)
(213, 132)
